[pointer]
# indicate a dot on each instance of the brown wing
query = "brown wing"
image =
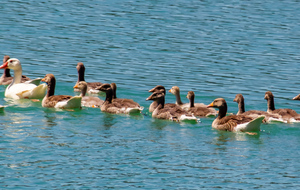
(228, 123)
(126, 102)
(52, 100)
(286, 112)
(238, 119)
(24, 78)
(177, 111)
(202, 111)
(163, 114)
(7, 80)
(116, 107)
(90, 101)
(94, 85)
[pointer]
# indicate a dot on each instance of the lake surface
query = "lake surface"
(217, 49)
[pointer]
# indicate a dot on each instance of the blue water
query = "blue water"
(217, 49)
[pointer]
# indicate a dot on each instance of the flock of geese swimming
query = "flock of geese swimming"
(21, 87)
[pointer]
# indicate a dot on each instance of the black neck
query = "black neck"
(222, 111)
(192, 102)
(81, 74)
(51, 87)
(109, 95)
(271, 104)
(241, 107)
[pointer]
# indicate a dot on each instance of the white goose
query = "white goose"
(18, 90)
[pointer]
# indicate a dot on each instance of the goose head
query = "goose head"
(80, 67)
(238, 98)
(218, 103)
(158, 88)
(190, 95)
(105, 87)
(269, 95)
(82, 86)
(221, 104)
(12, 63)
(175, 90)
(156, 96)
(49, 79)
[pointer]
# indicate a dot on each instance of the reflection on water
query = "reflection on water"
(23, 103)
(159, 123)
(50, 120)
(224, 136)
(109, 120)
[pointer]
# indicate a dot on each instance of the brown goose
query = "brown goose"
(200, 111)
(91, 85)
(58, 101)
(176, 91)
(88, 101)
(254, 113)
(129, 102)
(287, 115)
(117, 107)
(154, 104)
(171, 113)
(6, 77)
(233, 122)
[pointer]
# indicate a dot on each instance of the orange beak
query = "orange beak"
(170, 90)
(4, 66)
(76, 86)
(43, 80)
(210, 105)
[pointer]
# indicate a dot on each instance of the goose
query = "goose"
(154, 104)
(233, 123)
(172, 113)
(254, 113)
(129, 102)
(115, 106)
(91, 85)
(287, 115)
(176, 91)
(200, 111)
(58, 101)
(6, 78)
(18, 90)
(88, 101)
